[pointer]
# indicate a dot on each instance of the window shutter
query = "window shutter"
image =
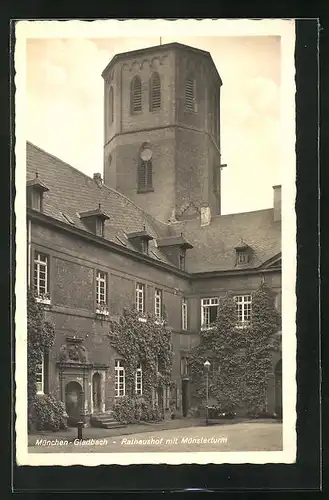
(141, 174)
(149, 174)
(190, 94)
(155, 87)
(136, 94)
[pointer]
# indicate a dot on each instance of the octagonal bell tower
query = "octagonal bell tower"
(162, 130)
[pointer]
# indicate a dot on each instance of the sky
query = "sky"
(65, 106)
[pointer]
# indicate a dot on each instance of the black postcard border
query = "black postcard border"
(305, 474)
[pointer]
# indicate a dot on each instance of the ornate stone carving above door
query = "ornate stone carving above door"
(73, 351)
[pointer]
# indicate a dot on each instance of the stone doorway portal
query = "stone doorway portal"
(74, 402)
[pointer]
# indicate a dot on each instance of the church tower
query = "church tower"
(162, 130)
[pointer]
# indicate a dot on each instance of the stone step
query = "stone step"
(112, 426)
(105, 420)
(101, 417)
(107, 424)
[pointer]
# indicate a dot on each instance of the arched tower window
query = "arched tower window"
(136, 94)
(190, 94)
(155, 91)
(145, 174)
(111, 106)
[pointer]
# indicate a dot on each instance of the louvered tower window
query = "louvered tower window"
(111, 106)
(155, 92)
(190, 102)
(136, 95)
(145, 176)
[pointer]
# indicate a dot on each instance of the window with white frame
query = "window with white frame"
(183, 366)
(181, 262)
(209, 310)
(34, 199)
(140, 297)
(242, 257)
(41, 275)
(101, 287)
(184, 314)
(158, 303)
(99, 227)
(40, 376)
(120, 385)
(243, 309)
(139, 381)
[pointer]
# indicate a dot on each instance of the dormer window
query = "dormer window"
(175, 249)
(35, 189)
(182, 259)
(241, 257)
(145, 246)
(140, 240)
(95, 220)
(99, 227)
(243, 253)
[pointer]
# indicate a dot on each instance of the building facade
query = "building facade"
(148, 234)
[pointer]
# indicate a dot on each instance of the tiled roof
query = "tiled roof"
(71, 193)
(214, 245)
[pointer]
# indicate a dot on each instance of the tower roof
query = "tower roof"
(166, 46)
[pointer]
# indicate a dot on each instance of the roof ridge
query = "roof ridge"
(220, 216)
(91, 179)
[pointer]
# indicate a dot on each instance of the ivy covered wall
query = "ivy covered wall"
(241, 358)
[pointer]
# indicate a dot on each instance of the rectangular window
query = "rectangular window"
(158, 303)
(209, 309)
(35, 200)
(182, 260)
(101, 287)
(99, 227)
(145, 246)
(40, 376)
(120, 383)
(139, 381)
(166, 397)
(41, 275)
(184, 314)
(242, 257)
(243, 309)
(183, 366)
(140, 298)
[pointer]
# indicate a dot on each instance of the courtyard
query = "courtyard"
(241, 436)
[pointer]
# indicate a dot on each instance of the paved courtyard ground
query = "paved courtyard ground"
(240, 436)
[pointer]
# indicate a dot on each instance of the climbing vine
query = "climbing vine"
(240, 357)
(146, 343)
(40, 338)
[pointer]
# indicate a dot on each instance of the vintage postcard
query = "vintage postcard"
(156, 242)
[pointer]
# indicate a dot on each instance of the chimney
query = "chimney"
(277, 202)
(98, 179)
(205, 216)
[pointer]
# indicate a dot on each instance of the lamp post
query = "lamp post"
(206, 370)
